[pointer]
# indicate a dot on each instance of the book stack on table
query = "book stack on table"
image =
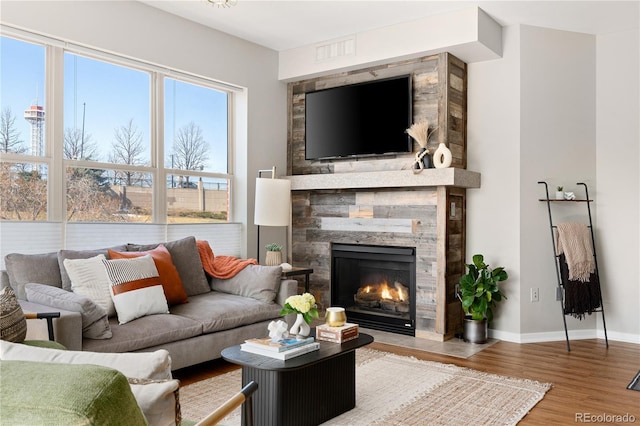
(282, 349)
(341, 334)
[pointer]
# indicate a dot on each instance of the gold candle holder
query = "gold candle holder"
(335, 317)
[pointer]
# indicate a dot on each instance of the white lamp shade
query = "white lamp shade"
(273, 202)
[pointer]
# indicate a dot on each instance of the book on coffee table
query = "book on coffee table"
(279, 345)
(285, 355)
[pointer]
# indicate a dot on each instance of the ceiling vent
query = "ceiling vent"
(336, 49)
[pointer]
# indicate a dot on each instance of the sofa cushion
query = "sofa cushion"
(89, 278)
(186, 258)
(34, 393)
(135, 287)
(169, 276)
(32, 268)
(95, 324)
(145, 332)
(80, 254)
(225, 311)
(255, 281)
(13, 324)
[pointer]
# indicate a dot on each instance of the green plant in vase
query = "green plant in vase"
(479, 293)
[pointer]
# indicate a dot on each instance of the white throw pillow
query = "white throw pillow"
(136, 288)
(89, 278)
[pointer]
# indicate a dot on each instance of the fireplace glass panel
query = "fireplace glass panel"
(375, 285)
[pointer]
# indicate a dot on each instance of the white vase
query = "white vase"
(442, 158)
(300, 328)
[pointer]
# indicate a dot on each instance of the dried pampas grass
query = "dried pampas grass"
(420, 132)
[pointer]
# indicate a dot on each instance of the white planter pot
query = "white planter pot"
(559, 195)
(274, 258)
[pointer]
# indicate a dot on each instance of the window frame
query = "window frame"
(53, 156)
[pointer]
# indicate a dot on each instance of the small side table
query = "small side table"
(299, 271)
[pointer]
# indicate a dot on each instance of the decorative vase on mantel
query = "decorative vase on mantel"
(442, 158)
(300, 328)
(423, 160)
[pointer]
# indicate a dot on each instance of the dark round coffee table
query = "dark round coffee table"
(306, 390)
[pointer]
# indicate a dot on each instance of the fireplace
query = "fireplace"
(375, 285)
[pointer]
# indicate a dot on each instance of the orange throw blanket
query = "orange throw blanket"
(222, 267)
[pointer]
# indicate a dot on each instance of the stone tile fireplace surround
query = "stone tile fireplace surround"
(380, 201)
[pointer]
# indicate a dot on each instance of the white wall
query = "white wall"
(560, 107)
(618, 184)
(136, 30)
(493, 149)
(557, 131)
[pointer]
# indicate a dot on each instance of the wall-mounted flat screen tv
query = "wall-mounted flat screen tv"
(359, 119)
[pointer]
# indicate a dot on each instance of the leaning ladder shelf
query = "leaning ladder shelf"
(556, 256)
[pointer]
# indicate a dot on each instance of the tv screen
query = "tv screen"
(360, 119)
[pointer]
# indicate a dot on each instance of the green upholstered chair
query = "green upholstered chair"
(65, 394)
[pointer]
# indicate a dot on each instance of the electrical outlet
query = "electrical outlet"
(535, 294)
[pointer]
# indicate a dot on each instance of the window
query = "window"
(94, 195)
(195, 130)
(106, 112)
(110, 153)
(23, 191)
(22, 97)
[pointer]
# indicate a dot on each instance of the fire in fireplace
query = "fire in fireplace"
(375, 285)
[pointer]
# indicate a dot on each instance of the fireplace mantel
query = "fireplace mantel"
(453, 177)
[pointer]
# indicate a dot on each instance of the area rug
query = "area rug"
(635, 383)
(430, 393)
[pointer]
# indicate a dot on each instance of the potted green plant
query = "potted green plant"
(274, 254)
(479, 293)
(559, 193)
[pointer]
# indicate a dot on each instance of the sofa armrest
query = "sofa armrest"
(67, 329)
(4, 279)
(287, 288)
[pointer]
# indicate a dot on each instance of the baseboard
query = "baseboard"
(553, 336)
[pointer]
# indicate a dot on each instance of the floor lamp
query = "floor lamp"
(273, 202)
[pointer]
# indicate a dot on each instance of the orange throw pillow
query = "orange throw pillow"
(171, 281)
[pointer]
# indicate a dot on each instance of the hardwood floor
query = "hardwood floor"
(589, 381)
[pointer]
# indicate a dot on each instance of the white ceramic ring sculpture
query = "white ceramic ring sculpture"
(442, 157)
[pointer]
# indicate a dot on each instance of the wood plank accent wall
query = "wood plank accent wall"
(315, 212)
(429, 218)
(439, 96)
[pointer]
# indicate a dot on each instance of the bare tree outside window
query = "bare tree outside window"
(79, 146)
(128, 148)
(23, 194)
(190, 150)
(9, 136)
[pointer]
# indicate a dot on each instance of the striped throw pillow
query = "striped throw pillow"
(136, 288)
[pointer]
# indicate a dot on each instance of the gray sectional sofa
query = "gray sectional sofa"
(219, 312)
